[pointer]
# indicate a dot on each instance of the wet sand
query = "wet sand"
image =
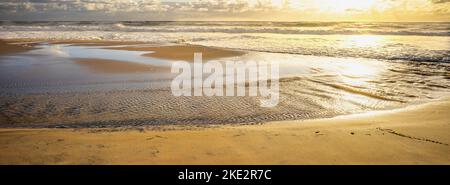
(413, 135)
(112, 66)
(6, 47)
(70, 92)
(172, 52)
(184, 52)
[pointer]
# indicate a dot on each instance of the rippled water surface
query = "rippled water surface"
(327, 69)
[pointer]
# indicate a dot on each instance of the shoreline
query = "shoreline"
(413, 135)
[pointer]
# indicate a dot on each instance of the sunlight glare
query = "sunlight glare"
(358, 41)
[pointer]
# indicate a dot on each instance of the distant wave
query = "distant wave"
(313, 28)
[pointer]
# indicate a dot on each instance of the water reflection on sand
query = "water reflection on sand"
(47, 87)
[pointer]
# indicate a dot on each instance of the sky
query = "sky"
(226, 10)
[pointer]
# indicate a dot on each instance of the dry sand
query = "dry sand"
(184, 52)
(112, 66)
(413, 135)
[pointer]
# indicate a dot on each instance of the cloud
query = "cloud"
(232, 6)
(218, 9)
(80, 5)
(137, 5)
(440, 1)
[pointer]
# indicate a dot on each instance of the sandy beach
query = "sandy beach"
(111, 66)
(417, 134)
(413, 135)
(298, 89)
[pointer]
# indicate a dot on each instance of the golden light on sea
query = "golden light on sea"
(372, 41)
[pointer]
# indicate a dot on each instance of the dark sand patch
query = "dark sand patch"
(112, 66)
(184, 52)
(7, 47)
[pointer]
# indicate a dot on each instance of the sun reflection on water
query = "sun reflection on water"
(358, 41)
